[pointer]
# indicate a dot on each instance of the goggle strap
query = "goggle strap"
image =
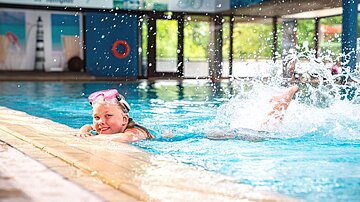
(119, 98)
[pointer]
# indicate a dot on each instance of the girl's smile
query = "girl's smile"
(109, 118)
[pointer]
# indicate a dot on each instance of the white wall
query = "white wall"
(195, 69)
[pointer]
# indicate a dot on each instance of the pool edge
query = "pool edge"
(142, 174)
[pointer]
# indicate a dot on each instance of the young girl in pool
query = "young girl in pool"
(111, 119)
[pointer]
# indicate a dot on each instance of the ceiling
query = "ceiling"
(292, 9)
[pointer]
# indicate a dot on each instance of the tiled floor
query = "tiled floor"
(115, 171)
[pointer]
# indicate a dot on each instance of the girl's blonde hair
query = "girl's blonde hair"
(133, 124)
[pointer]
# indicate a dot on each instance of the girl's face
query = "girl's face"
(109, 118)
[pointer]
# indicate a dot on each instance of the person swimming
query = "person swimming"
(111, 119)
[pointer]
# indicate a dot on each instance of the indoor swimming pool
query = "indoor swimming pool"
(314, 155)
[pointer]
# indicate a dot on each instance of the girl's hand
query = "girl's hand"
(83, 134)
(85, 131)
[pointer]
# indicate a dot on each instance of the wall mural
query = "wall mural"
(242, 3)
(65, 37)
(12, 39)
(160, 5)
(64, 3)
(174, 5)
(39, 40)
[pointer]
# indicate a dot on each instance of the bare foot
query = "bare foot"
(286, 96)
(281, 103)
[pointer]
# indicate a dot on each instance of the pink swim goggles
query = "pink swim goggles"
(111, 95)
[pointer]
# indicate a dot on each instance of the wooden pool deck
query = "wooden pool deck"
(117, 171)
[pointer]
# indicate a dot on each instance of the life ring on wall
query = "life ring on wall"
(116, 53)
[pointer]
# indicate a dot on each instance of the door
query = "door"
(165, 46)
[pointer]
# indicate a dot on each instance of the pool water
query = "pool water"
(314, 155)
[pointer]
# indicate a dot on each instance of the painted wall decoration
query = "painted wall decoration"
(64, 3)
(184, 5)
(112, 44)
(174, 5)
(65, 37)
(199, 5)
(39, 40)
(12, 39)
(242, 3)
(160, 5)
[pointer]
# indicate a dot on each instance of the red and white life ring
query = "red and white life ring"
(116, 53)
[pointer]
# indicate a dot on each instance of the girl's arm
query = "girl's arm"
(85, 131)
(130, 135)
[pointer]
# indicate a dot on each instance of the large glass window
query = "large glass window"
(305, 33)
(166, 45)
(252, 46)
(252, 39)
(330, 36)
(196, 44)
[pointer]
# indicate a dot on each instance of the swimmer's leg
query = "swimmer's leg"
(280, 104)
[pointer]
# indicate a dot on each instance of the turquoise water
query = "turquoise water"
(313, 156)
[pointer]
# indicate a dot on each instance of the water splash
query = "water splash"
(325, 103)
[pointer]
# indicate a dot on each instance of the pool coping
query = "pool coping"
(119, 171)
